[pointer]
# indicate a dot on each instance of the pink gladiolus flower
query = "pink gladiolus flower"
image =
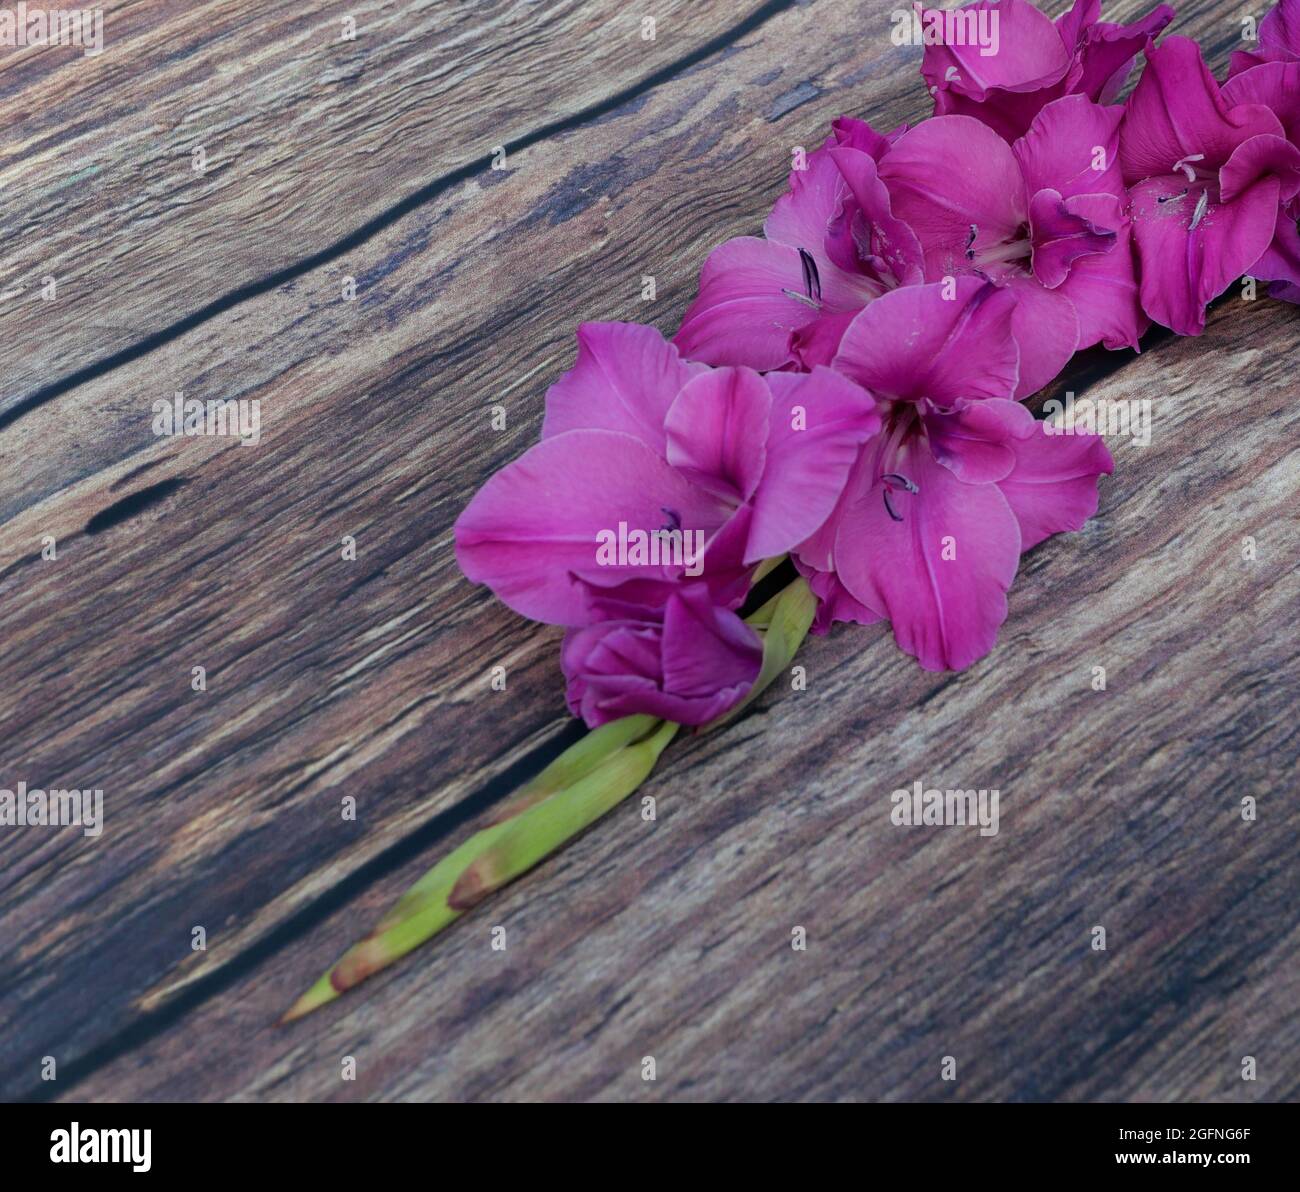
(1206, 177)
(1276, 85)
(959, 481)
(688, 662)
(1044, 218)
(1279, 39)
(782, 301)
(643, 454)
(1036, 61)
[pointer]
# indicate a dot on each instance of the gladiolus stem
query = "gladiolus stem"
(581, 785)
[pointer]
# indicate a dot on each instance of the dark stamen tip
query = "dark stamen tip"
(812, 282)
(902, 481)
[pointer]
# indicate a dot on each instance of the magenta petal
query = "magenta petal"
(1029, 53)
(1074, 23)
(974, 440)
(1276, 86)
(707, 651)
(942, 572)
(1060, 150)
(1259, 158)
(1063, 230)
(624, 379)
(948, 175)
(1053, 486)
(689, 667)
(1046, 328)
(891, 239)
(744, 314)
(717, 432)
(852, 133)
(610, 593)
(819, 423)
(1176, 111)
(1279, 39)
(834, 604)
(537, 523)
(1281, 260)
(818, 342)
(800, 217)
(1104, 290)
(1183, 267)
(916, 342)
(817, 551)
(1108, 51)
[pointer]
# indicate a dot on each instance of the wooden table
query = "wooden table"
(326, 159)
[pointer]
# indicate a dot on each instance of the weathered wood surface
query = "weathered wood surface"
(311, 131)
(329, 678)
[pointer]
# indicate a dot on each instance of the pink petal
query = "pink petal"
(1060, 149)
(817, 342)
(689, 667)
(944, 610)
(1030, 54)
(914, 342)
(1063, 230)
(1176, 110)
(1104, 290)
(535, 524)
(819, 423)
(624, 379)
(975, 440)
(744, 314)
(852, 133)
(1281, 260)
(1108, 51)
(1046, 329)
(948, 175)
(801, 216)
(1183, 268)
(1276, 86)
(1279, 39)
(1257, 159)
(892, 241)
(834, 603)
(752, 299)
(717, 432)
(707, 650)
(1053, 486)
(1059, 152)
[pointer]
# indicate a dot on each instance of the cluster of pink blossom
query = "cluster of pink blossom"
(846, 389)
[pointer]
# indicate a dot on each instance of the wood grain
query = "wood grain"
(199, 813)
(1119, 808)
(329, 678)
(307, 136)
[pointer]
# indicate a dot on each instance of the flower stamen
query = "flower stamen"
(1184, 165)
(902, 481)
(812, 281)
